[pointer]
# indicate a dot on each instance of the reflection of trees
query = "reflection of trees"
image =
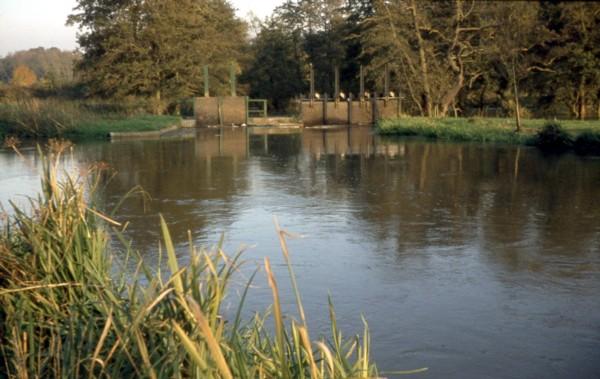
(182, 177)
(520, 209)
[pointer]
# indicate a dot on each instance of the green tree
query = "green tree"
(433, 47)
(575, 55)
(276, 70)
(156, 48)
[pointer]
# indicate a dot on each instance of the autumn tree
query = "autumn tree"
(23, 76)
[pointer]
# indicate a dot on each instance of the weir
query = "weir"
(313, 111)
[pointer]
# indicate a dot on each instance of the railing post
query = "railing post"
(325, 101)
(206, 82)
(386, 81)
(362, 83)
(232, 79)
(336, 75)
(312, 82)
(350, 109)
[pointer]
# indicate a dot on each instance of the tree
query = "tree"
(576, 53)
(276, 70)
(23, 76)
(156, 48)
(432, 46)
(514, 44)
(52, 66)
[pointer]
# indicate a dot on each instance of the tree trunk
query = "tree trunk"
(157, 104)
(516, 92)
(450, 96)
(422, 61)
(581, 111)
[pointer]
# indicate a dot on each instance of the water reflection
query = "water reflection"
(472, 260)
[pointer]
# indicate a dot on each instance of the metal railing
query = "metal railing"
(256, 108)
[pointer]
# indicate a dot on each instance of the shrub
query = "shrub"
(553, 139)
(588, 143)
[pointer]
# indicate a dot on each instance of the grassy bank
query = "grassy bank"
(65, 313)
(498, 130)
(33, 118)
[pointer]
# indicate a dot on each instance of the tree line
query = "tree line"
(49, 67)
(451, 57)
(445, 57)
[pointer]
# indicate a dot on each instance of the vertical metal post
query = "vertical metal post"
(312, 82)
(362, 83)
(265, 109)
(220, 110)
(206, 82)
(386, 81)
(350, 109)
(325, 101)
(232, 79)
(336, 74)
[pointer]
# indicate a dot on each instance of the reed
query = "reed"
(65, 313)
(30, 117)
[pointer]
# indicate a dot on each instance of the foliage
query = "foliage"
(553, 138)
(461, 57)
(53, 67)
(23, 76)
(588, 143)
(276, 70)
(156, 48)
(65, 313)
(454, 129)
(498, 130)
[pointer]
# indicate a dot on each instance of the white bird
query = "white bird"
(367, 95)
(392, 94)
(317, 96)
(342, 96)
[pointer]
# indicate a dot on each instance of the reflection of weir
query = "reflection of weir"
(240, 143)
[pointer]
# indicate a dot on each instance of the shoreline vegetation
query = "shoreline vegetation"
(76, 120)
(582, 136)
(65, 313)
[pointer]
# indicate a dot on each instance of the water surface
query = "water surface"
(476, 261)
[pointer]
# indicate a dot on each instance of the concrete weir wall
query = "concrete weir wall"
(365, 112)
(220, 110)
(312, 113)
(361, 113)
(337, 112)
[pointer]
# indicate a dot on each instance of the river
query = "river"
(475, 261)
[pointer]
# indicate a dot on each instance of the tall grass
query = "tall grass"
(64, 313)
(29, 117)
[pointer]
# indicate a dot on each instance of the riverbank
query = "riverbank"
(33, 119)
(496, 130)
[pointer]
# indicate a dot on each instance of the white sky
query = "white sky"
(26, 24)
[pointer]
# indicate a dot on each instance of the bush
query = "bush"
(553, 139)
(588, 143)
